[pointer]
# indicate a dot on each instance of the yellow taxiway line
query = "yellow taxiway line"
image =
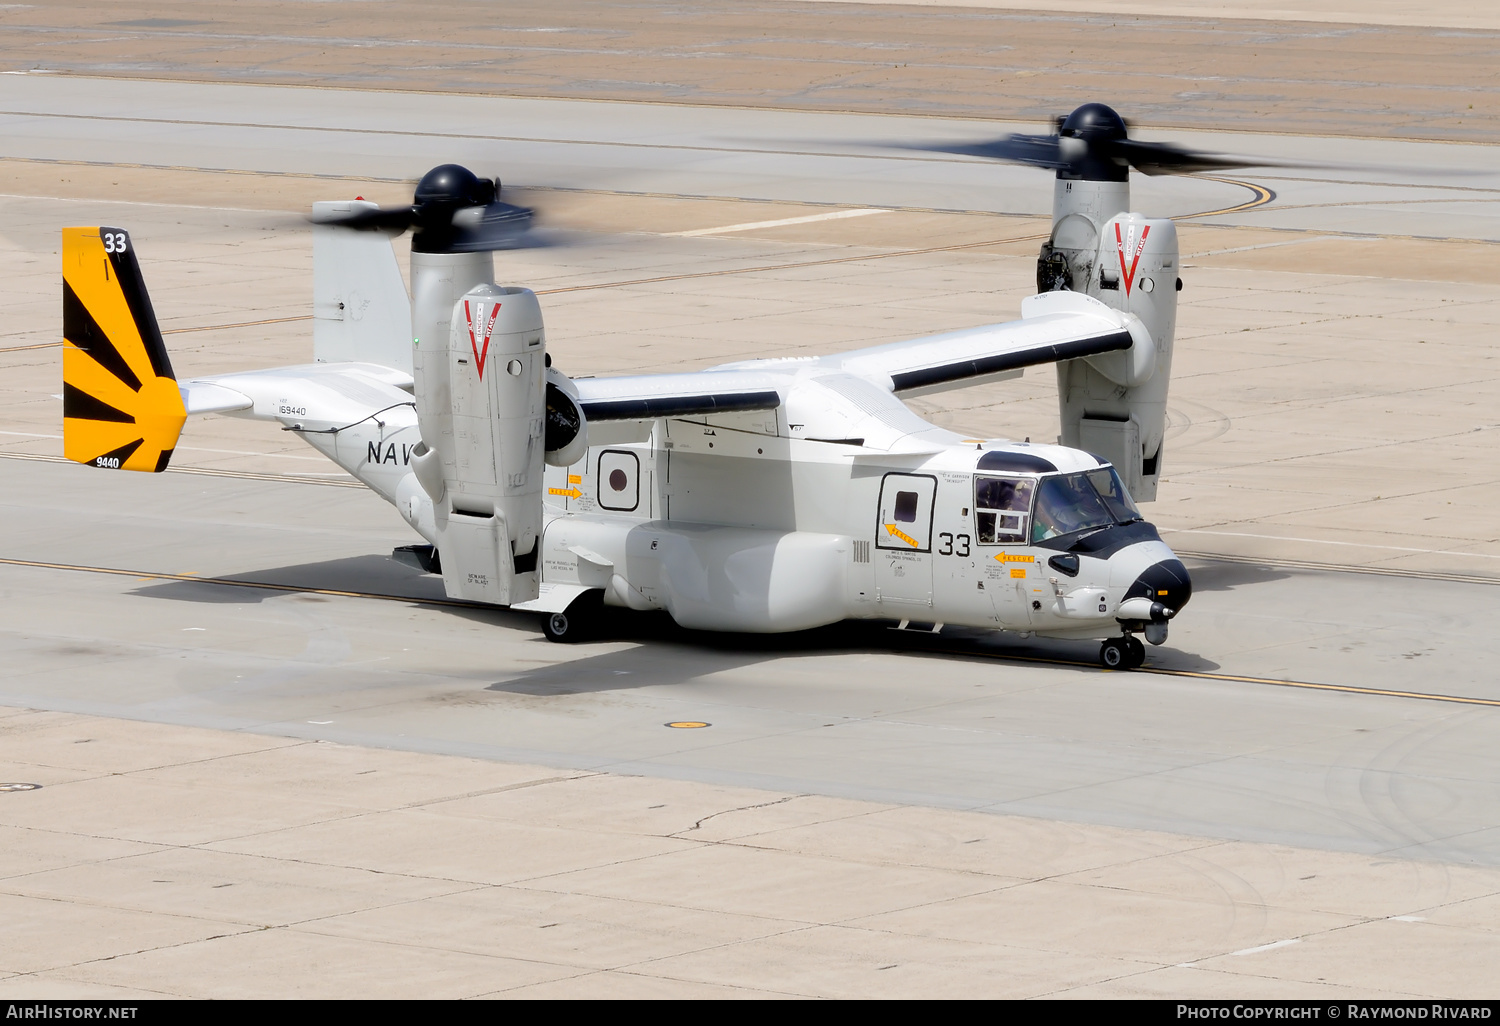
(1260, 196)
(1311, 686)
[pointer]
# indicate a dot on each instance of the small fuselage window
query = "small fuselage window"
(906, 507)
(1002, 506)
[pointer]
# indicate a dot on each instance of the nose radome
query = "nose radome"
(1166, 582)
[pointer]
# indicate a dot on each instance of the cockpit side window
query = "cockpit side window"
(1002, 506)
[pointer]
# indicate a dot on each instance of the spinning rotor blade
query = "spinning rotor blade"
(1166, 159)
(385, 219)
(492, 226)
(1093, 143)
(1035, 150)
(452, 211)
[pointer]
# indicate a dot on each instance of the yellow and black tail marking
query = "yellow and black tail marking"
(121, 406)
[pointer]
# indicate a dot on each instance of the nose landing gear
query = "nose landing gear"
(1124, 653)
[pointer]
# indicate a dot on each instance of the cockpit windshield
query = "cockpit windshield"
(1080, 502)
(1112, 490)
(1014, 510)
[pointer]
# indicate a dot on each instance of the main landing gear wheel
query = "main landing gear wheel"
(574, 623)
(559, 627)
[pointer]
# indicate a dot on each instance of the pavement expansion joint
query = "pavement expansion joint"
(742, 808)
(519, 786)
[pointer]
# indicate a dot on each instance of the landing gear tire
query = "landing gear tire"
(575, 623)
(1137, 652)
(559, 627)
(1114, 654)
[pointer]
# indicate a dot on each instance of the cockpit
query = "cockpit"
(1093, 557)
(1017, 510)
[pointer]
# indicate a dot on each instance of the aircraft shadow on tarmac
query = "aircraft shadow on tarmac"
(666, 653)
(366, 575)
(1216, 575)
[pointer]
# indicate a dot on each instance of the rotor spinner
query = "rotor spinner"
(438, 197)
(1085, 145)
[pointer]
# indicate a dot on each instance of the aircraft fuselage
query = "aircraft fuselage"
(731, 529)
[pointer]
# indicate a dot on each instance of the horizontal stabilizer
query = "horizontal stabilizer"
(208, 397)
(314, 395)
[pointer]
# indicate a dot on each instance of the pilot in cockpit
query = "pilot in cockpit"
(1066, 504)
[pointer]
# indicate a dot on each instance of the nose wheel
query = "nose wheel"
(1125, 653)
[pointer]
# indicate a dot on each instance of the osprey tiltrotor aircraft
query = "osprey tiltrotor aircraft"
(764, 495)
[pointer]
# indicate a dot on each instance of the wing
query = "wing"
(694, 394)
(1053, 326)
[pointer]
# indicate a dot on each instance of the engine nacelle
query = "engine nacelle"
(567, 432)
(1080, 209)
(484, 424)
(1115, 404)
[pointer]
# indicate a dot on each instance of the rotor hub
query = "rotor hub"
(1093, 122)
(1098, 128)
(452, 185)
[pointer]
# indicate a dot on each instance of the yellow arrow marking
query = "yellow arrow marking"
(897, 532)
(1006, 557)
(572, 493)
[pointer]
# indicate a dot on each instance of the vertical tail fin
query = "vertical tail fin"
(121, 406)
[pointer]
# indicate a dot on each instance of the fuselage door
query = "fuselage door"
(903, 538)
(1002, 520)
